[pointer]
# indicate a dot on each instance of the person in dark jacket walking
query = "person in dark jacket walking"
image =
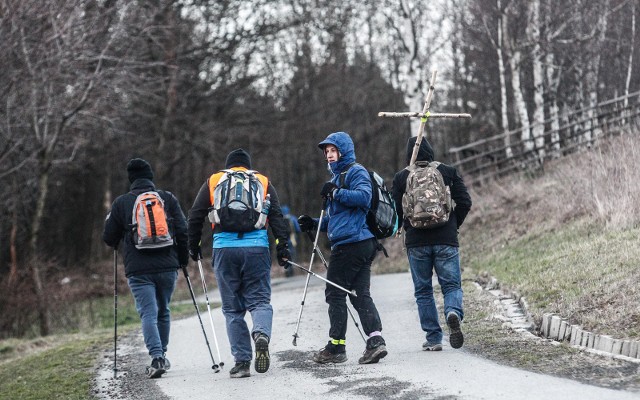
(242, 265)
(152, 273)
(435, 249)
(353, 248)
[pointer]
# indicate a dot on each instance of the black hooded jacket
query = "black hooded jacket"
(117, 228)
(448, 233)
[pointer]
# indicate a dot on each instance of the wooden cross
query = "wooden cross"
(424, 116)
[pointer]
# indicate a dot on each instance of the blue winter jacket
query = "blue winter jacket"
(345, 218)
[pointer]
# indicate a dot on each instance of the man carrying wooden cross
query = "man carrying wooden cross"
(435, 202)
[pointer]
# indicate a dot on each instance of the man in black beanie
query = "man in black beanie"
(241, 257)
(151, 266)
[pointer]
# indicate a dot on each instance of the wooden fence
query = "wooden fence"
(499, 155)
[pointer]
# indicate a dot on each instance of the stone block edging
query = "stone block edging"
(515, 315)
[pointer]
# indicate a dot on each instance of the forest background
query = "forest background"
(87, 85)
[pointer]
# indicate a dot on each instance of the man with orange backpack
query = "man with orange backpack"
(241, 204)
(153, 231)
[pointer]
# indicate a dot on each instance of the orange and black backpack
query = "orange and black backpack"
(149, 222)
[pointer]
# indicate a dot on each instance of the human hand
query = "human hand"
(306, 223)
(283, 253)
(328, 190)
(195, 253)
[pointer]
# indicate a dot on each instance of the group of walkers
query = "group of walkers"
(241, 258)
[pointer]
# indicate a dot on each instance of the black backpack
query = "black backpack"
(382, 218)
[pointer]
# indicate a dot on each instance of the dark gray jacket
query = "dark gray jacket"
(446, 234)
(117, 227)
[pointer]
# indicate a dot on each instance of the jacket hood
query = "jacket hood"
(345, 146)
(425, 153)
(238, 158)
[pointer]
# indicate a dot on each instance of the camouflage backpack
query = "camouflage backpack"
(426, 202)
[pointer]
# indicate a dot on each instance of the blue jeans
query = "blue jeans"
(244, 281)
(152, 293)
(445, 260)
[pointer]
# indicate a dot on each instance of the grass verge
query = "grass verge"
(579, 271)
(62, 366)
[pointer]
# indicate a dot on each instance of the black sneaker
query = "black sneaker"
(375, 351)
(262, 353)
(241, 370)
(167, 364)
(330, 353)
(156, 369)
(456, 338)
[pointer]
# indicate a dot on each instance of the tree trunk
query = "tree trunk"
(538, 79)
(518, 97)
(43, 308)
(504, 110)
(630, 62)
(13, 252)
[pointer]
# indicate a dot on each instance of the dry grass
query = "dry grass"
(568, 239)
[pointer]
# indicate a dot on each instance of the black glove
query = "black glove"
(283, 253)
(306, 223)
(195, 253)
(327, 190)
(183, 256)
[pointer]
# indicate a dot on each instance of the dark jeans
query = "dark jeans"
(350, 267)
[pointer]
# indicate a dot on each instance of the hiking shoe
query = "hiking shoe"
(262, 353)
(426, 346)
(372, 356)
(456, 338)
(167, 364)
(328, 355)
(156, 369)
(241, 370)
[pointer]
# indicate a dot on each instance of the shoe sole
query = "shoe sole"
(435, 347)
(375, 357)
(154, 373)
(456, 338)
(262, 355)
(241, 375)
(333, 361)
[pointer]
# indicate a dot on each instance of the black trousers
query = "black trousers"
(350, 267)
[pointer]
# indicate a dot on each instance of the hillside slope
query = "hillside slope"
(567, 239)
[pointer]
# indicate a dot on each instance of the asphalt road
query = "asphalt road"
(406, 373)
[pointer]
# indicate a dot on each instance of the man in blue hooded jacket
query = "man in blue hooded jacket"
(353, 247)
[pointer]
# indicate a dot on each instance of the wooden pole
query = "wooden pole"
(423, 121)
(390, 114)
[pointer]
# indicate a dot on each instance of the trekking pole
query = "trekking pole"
(215, 366)
(115, 312)
(352, 292)
(206, 296)
(306, 284)
(324, 261)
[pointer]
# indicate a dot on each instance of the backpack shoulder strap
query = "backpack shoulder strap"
(213, 182)
(343, 174)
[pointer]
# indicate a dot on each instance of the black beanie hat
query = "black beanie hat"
(139, 169)
(238, 158)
